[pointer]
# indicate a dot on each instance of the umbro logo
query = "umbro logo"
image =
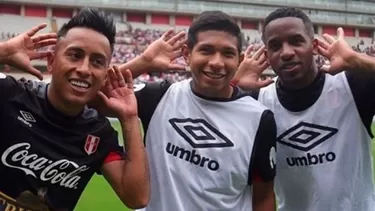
(306, 136)
(27, 118)
(199, 133)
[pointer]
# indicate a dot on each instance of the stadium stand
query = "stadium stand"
(136, 33)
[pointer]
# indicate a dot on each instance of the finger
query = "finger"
(34, 72)
(129, 79)
(177, 37)
(249, 50)
(108, 85)
(176, 55)
(176, 67)
(45, 43)
(179, 44)
(113, 79)
(340, 33)
(325, 68)
(323, 51)
(35, 29)
(323, 44)
(41, 37)
(328, 38)
(167, 35)
(40, 55)
(120, 77)
(259, 52)
(264, 65)
(262, 58)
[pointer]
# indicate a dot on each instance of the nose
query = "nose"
(84, 69)
(287, 52)
(216, 62)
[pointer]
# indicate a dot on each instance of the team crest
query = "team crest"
(91, 145)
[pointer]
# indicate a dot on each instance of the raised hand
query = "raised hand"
(251, 68)
(164, 50)
(338, 51)
(119, 98)
(21, 50)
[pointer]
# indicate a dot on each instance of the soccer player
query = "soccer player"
(51, 143)
(210, 145)
(324, 159)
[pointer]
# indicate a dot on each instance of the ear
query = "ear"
(50, 60)
(186, 53)
(315, 44)
(242, 57)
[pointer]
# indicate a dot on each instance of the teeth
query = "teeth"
(80, 83)
(213, 75)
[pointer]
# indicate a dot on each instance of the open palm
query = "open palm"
(164, 50)
(338, 51)
(21, 50)
(119, 97)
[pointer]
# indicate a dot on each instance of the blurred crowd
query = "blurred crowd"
(132, 42)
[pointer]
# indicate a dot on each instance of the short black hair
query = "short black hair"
(286, 12)
(214, 20)
(94, 19)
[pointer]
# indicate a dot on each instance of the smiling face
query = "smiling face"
(79, 66)
(290, 51)
(213, 61)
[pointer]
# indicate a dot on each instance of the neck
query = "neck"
(303, 82)
(226, 92)
(58, 103)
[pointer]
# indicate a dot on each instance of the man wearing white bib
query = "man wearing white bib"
(211, 146)
(324, 160)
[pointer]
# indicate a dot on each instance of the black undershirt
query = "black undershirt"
(361, 84)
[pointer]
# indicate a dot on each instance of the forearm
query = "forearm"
(361, 61)
(135, 177)
(137, 66)
(266, 203)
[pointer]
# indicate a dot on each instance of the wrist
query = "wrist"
(144, 63)
(353, 61)
(3, 52)
(126, 119)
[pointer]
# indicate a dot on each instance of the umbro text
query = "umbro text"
(192, 157)
(311, 159)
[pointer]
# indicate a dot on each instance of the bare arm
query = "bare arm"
(263, 196)
(130, 177)
(264, 164)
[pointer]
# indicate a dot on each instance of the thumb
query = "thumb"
(265, 82)
(34, 72)
(103, 97)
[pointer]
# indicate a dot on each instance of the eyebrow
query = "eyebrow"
(75, 48)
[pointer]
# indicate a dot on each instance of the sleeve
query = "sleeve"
(9, 87)
(113, 150)
(148, 97)
(263, 163)
(362, 85)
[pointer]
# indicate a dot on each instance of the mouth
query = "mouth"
(80, 84)
(290, 65)
(215, 76)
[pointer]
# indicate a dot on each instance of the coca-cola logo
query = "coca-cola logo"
(56, 172)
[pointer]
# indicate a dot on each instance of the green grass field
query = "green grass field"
(99, 195)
